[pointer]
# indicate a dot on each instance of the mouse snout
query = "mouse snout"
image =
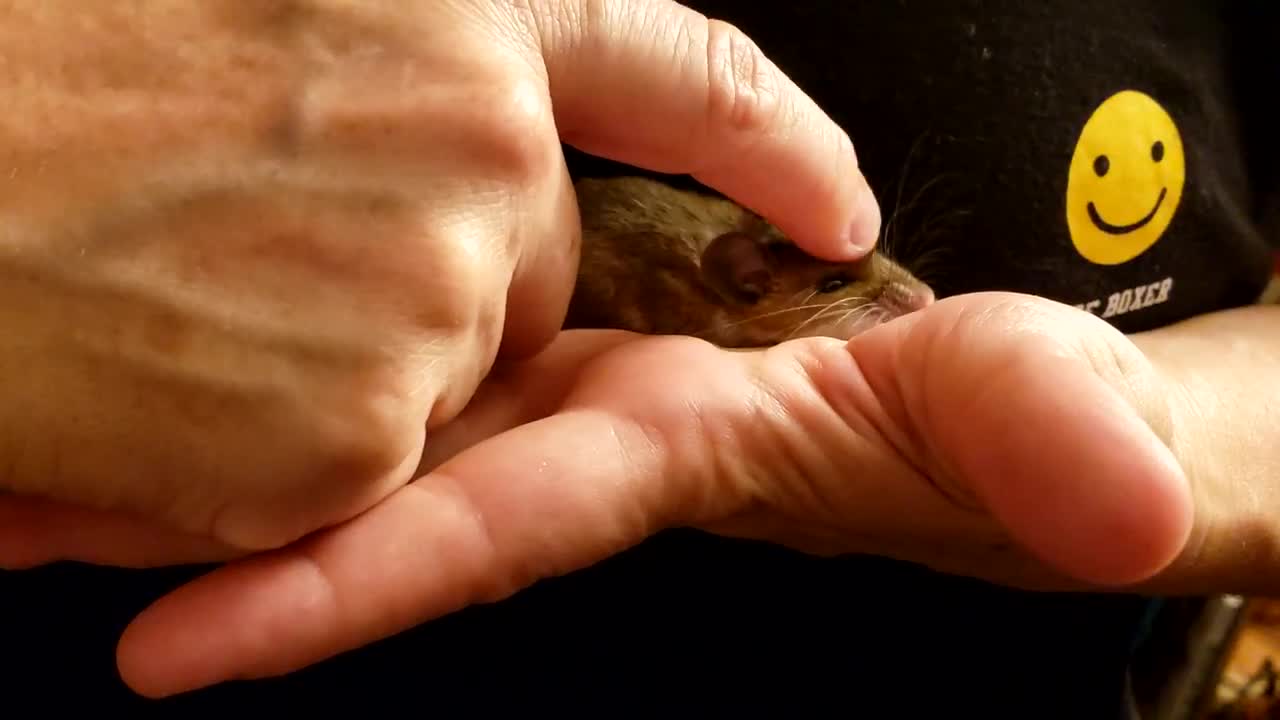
(902, 298)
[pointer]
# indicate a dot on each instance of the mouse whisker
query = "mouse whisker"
(828, 310)
(796, 301)
(775, 313)
(901, 245)
(889, 226)
(859, 312)
(762, 316)
(869, 309)
(927, 266)
(811, 319)
(922, 241)
(811, 294)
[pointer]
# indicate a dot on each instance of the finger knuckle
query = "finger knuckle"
(744, 87)
(325, 445)
(371, 430)
(487, 118)
(512, 131)
(456, 325)
(455, 285)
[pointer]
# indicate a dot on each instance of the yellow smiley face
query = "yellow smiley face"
(1125, 180)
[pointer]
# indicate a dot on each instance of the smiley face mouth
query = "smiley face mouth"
(1110, 229)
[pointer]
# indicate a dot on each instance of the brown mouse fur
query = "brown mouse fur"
(664, 261)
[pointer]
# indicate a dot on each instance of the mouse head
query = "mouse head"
(769, 290)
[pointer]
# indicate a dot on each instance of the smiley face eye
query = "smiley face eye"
(832, 284)
(1101, 165)
(1157, 151)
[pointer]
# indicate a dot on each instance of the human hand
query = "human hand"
(254, 251)
(995, 435)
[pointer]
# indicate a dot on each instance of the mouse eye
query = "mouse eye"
(832, 284)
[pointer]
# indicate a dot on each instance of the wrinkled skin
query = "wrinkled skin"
(995, 435)
(253, 251)
(244, 277)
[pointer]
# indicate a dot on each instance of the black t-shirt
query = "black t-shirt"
(1116, 154)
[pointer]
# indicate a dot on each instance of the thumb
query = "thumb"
(657, 85)
(1051, 420)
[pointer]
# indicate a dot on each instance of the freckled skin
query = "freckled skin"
(659, 260)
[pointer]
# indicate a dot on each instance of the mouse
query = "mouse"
(661, 260)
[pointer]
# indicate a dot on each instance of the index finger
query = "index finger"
(660, 86)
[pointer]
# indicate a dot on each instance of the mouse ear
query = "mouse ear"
(735, 265)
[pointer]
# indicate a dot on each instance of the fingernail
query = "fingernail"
(865, 228)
